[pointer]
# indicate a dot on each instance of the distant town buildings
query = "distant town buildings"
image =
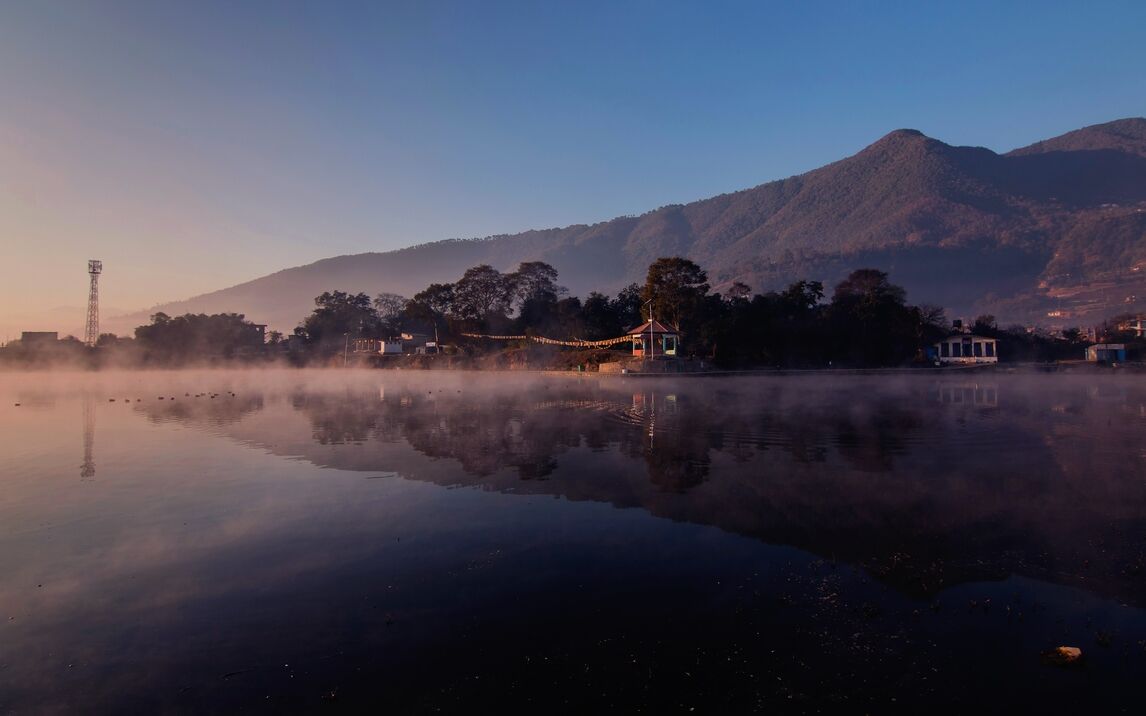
(1137, 324)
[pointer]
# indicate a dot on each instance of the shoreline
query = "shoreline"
(1004, 368)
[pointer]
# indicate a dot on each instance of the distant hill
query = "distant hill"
(1055, 227)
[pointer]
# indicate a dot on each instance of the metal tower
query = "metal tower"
(91, 335)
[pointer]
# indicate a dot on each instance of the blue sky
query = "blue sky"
(194, 145)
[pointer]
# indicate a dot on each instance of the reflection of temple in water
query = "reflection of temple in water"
(975, 394)
(646, 408)
(87, 469)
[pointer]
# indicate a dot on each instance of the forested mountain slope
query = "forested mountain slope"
(1059, 225)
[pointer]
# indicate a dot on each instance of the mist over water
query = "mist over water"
(276, 540)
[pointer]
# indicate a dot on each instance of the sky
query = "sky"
(194, 145)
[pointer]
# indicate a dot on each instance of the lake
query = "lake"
(440, 541)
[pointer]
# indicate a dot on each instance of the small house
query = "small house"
(653, 339)
(967, 348)
(390, 346)
(1106, 353)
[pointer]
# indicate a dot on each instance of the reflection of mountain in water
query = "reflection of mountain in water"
(925, 483)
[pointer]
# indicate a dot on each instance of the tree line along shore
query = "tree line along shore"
(866, 322)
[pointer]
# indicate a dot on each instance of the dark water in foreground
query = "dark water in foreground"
(468, 542)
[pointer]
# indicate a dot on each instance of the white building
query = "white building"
(967, 348)
(373, 345)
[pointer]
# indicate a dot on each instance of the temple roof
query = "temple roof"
(658, 327)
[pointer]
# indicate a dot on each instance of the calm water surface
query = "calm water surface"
(470, 542)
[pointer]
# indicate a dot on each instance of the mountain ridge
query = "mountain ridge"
(963, 227)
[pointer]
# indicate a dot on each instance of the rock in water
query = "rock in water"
(1063, 655)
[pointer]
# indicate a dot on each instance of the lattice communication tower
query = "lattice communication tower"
(91, 334)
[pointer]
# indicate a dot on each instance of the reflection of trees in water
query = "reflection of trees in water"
(674, 434)
(488, 432)
(867, 430)
(202, 410)
(485, 433)
(923, 485)
(337, 420)
(871, 440)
